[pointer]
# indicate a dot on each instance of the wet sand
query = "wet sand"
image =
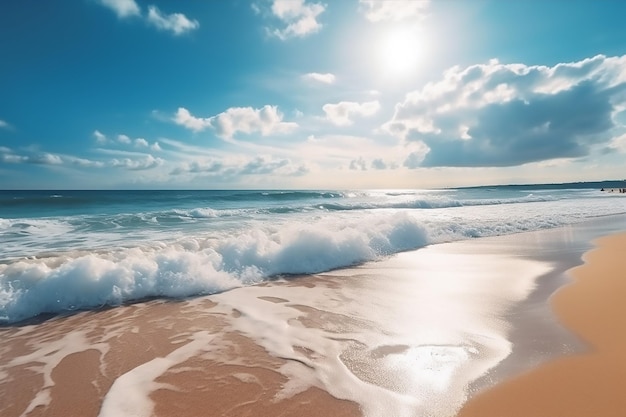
(585, 384)
(416, 334)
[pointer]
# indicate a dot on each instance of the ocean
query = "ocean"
(80, 250)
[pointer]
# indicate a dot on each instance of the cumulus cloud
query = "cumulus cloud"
(100, 138)
(144, 163)
(45, 159)
(123, 139)
(184, 118)
(397, 10)
(234, 167)
(325, 78)
(361, 164)
(177, 23)
(141, 143)
(341, 113)
(83, 163)
(198, 167)
(267, 120)
(298, 17)
(122, 8)
(413, 160)
(379, 163)
(358, 164)
(510, 114)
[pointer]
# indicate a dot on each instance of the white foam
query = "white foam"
(239, 253)
(196, 266)
(447, 329)
(130, 393)
(46, 356)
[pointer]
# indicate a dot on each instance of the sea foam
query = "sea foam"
(50, 265)
(190, 266)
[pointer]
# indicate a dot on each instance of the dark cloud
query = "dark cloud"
(507, 115)
(517, 132)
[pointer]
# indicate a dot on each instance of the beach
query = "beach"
(588, 383)
(419, 333)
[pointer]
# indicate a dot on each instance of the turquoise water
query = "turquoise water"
(66, 250)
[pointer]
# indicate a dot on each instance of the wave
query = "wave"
(193, 266)
(180, 262)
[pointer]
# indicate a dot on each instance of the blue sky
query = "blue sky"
(310, 93)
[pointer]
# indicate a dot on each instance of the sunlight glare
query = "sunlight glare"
(399, 51)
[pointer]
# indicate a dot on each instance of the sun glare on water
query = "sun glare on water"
(399, 51)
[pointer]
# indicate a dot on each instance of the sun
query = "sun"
(399, 51)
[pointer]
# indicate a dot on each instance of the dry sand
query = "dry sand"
(589, 384)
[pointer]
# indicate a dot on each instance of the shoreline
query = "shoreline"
(303, 346)
(589, 383)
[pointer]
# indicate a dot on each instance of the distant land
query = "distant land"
(556, 186)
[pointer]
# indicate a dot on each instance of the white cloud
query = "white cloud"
(184, 118)
(45, 158)
(341, 113)
(147, 162)
(83, 163)
(326, 78)
(177, 23)
(141, 143)
(299, 16)
(123, 8)
(100, 138)
(396, 10)
(266, 120)
(233, 167)
(202, 166)
(619, 143)
(10, 158)
(4, 124)
(123, 139)
(510, 114)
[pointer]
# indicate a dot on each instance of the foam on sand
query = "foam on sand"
(414, 334)
(412, 347)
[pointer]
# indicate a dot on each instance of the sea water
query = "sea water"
(69, 250)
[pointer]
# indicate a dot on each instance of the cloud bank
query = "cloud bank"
(510, 114)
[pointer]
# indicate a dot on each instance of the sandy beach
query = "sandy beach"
(587, 384)
(419, 333)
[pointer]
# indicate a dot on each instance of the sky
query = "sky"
(310, 94)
